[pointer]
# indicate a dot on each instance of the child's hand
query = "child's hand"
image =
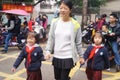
(48, 56)
(81, 60)
(13, 69)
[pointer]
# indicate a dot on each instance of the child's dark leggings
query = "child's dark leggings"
(61, 74)
(94, 74)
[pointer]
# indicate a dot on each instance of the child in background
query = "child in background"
(96, 56)
(105, 30)
(33, 54)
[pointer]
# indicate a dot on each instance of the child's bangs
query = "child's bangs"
(31, 35)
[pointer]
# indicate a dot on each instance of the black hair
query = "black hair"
(25, 18)
(114, 15)
(103, 15)
(98, 32)
(35, 35)
(68, 3)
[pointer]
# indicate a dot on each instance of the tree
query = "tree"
(84, 14)
(87, 6)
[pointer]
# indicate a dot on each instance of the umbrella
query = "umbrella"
(16, 12)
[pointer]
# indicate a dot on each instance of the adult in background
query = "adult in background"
(30, 24)
(39, 19)
(44, 21)
(101, 22)
(17, 27)
(64, 41)
(25, 21)
(11, 30)
(114, 32)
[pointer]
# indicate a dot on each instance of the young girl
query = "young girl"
(33, 54)
(96, 56)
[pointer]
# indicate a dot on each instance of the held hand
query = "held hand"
(81, 60)
(48, 56)
(13, 69)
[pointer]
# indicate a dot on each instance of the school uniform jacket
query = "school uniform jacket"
(100, 60)
(36, 58)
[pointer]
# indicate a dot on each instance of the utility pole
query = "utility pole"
(84, 13)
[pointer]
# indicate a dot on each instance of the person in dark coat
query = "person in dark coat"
(96, 57)
(33, 55)
(114, 29)
(11, 31)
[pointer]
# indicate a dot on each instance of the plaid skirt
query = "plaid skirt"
(63, 63)
(34, 75)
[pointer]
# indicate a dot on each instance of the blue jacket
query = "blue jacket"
(100, 60)
(36, 58)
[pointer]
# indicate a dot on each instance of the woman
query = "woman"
(64, 41)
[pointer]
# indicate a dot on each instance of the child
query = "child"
(96, 56)
(105, 29)
(33, 54)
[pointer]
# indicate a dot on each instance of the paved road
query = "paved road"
(7, 60)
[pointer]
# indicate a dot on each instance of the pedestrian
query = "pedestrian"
(96, 57)
(114, 28)
(33, 55)
(101, 22)
(25, 21)
(64, 41)
(17, 27)
(30, 24)
(11, 31)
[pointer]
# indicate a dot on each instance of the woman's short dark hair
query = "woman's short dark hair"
(98, 32)
(35, 35)
(68, 3)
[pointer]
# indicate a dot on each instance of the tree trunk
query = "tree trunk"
(84, 13)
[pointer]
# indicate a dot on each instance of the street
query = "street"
(7, 60)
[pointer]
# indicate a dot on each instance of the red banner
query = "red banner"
(13, 6)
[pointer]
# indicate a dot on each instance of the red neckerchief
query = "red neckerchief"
(29, 51)
(92, 53)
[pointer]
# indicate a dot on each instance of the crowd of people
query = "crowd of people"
(16, 29)
(111, 32)
(65, 43)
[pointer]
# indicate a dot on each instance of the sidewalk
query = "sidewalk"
(7, 60)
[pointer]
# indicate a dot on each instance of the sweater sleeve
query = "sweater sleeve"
(19, 59)
(50, 42)
(12, 24)
(78, 41)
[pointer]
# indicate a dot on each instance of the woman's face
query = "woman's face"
(64, 10)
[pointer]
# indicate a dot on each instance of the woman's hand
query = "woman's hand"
(48, 56)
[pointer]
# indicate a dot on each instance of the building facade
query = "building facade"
(113, 6)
